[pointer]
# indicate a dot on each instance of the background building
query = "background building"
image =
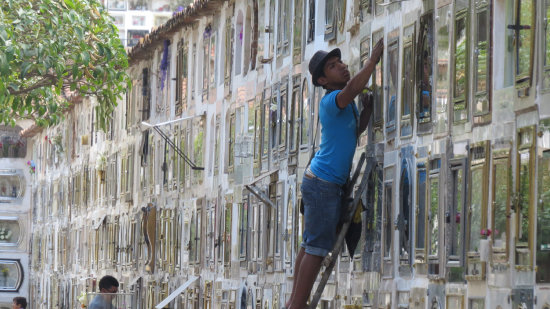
(135, 18)
(456, 207)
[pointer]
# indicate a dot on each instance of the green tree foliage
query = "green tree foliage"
(52, 49)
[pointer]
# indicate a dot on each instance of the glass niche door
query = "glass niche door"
(524, 198)
(543, 210)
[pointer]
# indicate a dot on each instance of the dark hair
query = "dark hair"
(21, 301)
(107, 281)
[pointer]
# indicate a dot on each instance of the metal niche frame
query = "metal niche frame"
(4, 271)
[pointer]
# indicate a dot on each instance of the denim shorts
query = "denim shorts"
(322, 206)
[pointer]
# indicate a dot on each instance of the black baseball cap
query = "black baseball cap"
(318, 61)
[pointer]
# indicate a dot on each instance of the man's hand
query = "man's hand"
(377, 50)
(358, 82)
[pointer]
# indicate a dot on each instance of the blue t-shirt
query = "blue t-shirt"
(338, 140)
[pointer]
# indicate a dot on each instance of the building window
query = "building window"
(424, 70)
(283, 31)
(12, 274)
(274, 116)
(524, 41)
(118, 5)
(407, 87)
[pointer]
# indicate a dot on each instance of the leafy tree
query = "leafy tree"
(53, 49)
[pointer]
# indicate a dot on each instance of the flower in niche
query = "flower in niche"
(485, 232)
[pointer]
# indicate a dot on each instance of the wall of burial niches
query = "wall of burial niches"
(203, 210)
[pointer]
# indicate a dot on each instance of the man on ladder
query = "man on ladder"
(324, 178)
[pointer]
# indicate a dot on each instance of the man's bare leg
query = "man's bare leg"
(299, 258)
(309, 269)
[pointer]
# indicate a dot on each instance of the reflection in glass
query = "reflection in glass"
(388, 201)
(433, 219)
(282, 121)
(543, 218)
(523, 205)
(424, 69)
(461, 52)
(364, 50)
(265, 125)
(477, 303)
(454, 301)
(455, 245)
(329, 17)
(481, 58)
(524, 39)
(408, 80)
(442, 73)
(404, 216)
(393, 58)
(11, 185)
(547, 59)
(547, 49)
(373, 232)
(476, 209)
(293, 123)
(500, 202)
(243, 229)
(421, 209)
(289, 233)
(305, 115)
(377, 82)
